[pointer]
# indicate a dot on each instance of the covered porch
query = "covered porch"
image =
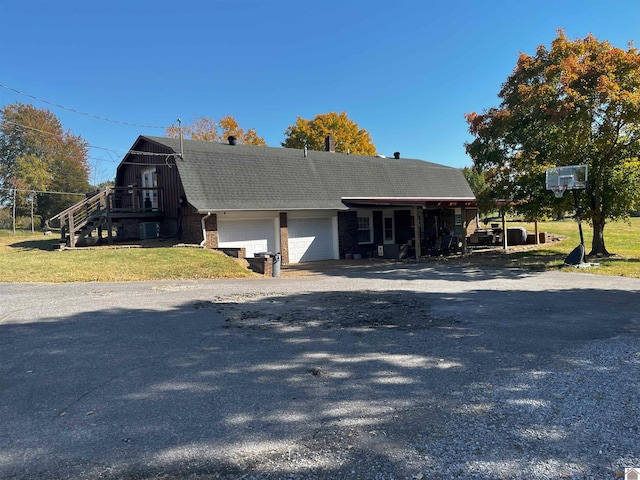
(404, 228)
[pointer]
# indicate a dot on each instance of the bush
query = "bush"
(22, 222)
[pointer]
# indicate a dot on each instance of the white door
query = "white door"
(310, 239)
(253, 235)
(149, 184)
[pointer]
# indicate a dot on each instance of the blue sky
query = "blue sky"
(406, 71)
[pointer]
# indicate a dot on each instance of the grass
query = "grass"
(622, 240)
(30, 258)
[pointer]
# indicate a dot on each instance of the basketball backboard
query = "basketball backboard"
(570, 177)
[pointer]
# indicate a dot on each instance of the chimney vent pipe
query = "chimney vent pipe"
(396, 155)
(329, 143)
(232, 140)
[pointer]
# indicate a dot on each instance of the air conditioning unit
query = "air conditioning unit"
(149, 230)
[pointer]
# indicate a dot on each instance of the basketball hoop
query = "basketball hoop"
(558, 190)
(570, 177)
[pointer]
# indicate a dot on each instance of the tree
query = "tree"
(36, 154)
(349, 138)
(480, 188)
(577, 103)
(213, 130)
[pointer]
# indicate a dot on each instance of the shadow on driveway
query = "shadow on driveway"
(340, 384)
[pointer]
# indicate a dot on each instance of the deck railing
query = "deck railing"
(107, 203)
(135, 199)
(78, 215)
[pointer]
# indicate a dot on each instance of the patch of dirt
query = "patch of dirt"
(352, 310)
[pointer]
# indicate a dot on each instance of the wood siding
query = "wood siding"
(130, 173)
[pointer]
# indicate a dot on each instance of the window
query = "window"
(388, 229)
(364, 228)
(458, 216)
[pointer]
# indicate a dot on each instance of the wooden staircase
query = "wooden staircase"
(79, 221)
(100, 210)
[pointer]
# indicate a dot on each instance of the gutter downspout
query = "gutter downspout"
(204, 231)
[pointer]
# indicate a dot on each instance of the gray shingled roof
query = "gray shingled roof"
(219, 176)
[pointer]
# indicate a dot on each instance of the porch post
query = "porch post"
(72, 231)
(463, 212)
(537, 232)
(416, 231)
(109, 204)
(504, 230)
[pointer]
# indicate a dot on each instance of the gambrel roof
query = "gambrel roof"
(219, 177)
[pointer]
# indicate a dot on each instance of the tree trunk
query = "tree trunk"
(597, 244)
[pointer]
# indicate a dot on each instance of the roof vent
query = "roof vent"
(396, 155)
(232, 140)
(329, 143)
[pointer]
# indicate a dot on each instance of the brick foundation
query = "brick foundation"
(262, 265)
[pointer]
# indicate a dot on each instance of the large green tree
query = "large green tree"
(212, 130)
(37, 154)
(349, 138)
(575, 103)
(478, 183)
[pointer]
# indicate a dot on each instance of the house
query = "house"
(308, 205)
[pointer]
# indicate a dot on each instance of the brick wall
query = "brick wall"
(263, 265)
(128, 230)
(471, 220)
(284, 238)
(347, 232)
(211, 227)
(192, 229)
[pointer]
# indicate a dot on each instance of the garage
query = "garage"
(311, 239)
(253, 235)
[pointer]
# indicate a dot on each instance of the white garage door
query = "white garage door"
(253, 235)
(310, 239)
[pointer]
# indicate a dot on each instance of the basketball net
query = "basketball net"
(558, 190)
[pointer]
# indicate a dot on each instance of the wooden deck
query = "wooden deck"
(99, 211)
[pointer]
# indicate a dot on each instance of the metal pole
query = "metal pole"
(181, 146)
(505, 243)
(579, 215)
(416, 231)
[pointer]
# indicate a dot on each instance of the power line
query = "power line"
(152, 154)
(41, 191)
(56, 135)
(108, 150)
(98, 117)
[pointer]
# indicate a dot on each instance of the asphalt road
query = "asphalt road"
(329, 375)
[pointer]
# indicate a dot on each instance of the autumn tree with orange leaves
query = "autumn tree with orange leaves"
(348, 136)
(213, 130)
(576, 103)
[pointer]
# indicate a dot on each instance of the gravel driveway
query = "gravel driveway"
(366, 372)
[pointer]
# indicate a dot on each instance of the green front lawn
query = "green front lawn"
(30, 258)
